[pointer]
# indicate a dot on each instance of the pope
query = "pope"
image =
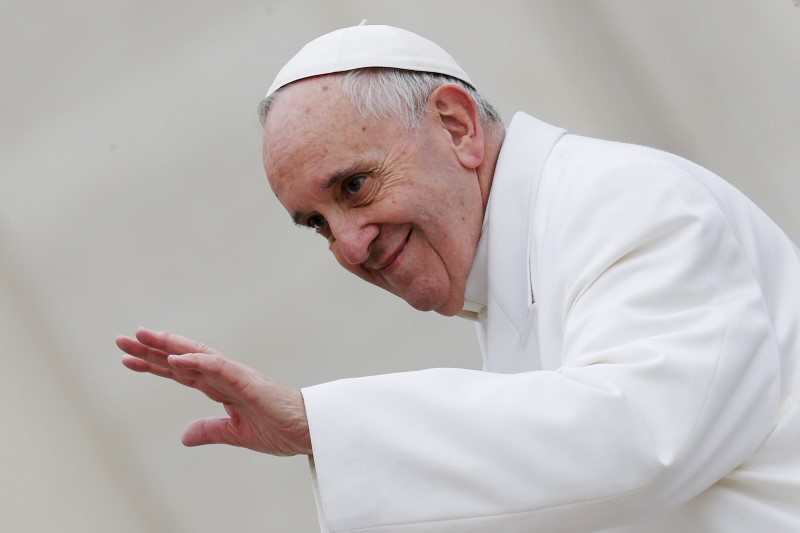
(637, 316)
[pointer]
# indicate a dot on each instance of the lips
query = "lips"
(390, 259)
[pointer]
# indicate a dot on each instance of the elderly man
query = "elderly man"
(637, 315)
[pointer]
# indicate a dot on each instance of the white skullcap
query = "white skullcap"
(367, 46)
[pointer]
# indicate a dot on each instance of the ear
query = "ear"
(457, 113)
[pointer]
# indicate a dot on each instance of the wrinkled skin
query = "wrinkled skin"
(263, 414)
(402, 210)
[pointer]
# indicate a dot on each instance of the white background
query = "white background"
(131, 193)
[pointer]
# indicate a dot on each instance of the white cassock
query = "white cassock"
(640, 326)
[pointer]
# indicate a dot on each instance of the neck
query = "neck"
(494, 141)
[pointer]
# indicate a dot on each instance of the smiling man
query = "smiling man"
(400, 209)
(637, 316)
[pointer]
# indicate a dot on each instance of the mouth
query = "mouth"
(392, 259)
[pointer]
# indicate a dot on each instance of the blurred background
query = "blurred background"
(131, 193)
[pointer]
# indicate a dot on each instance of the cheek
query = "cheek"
(358, 270)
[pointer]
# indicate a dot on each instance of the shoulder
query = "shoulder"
(606, 181)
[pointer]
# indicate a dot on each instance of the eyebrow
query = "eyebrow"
(335, 178)
(338, 176)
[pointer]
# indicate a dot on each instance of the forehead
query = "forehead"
(313, 131)
(312, 103)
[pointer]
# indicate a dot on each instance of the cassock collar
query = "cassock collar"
(476, 294)
(504, 248)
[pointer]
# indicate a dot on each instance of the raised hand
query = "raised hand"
(263, 414)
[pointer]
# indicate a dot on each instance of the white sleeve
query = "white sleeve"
(668, 380)
(323, 528)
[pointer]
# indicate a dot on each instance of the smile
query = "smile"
(392, 259)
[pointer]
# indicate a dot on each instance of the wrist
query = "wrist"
(297, 432)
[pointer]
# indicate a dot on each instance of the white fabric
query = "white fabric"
(476, 292)
(367, 46)
(640, 342)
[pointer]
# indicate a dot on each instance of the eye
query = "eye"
(352, 185)
(317, 222)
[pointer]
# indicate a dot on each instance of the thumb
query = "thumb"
(208, 431)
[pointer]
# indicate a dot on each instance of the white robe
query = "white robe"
(641, 333)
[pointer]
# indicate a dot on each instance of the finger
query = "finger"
(135, 364)
(150, 359)
(212, 392)
(139, 365)
(171, 343)
(137, 349)
(209, 431)
(229, 377)
(210, 364)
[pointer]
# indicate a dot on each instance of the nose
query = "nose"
(352, 239)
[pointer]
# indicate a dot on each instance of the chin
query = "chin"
(421, 305)
(434, 300)
(451, 308)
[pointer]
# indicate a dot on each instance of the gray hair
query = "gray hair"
(389, 92)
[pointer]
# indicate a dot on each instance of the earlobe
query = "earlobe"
(458, 114)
